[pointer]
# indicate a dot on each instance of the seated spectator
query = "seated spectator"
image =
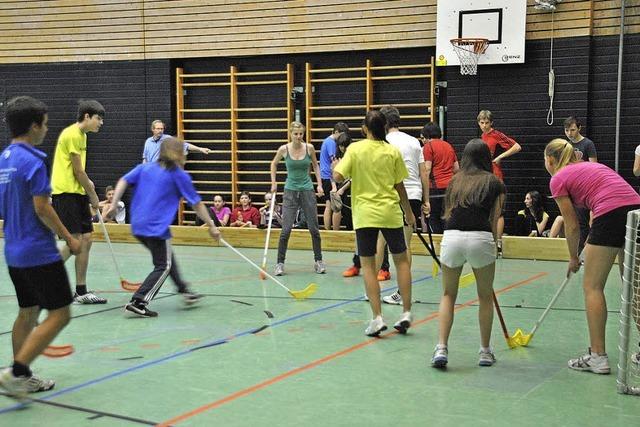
(245, 215)
(532, 220)
(264, 212)
(219, 212)
(105, 205)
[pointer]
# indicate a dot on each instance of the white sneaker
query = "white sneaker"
(440, 356)
(394, 299)
(88, 298)
(487, 358)
(404, 323)
(279, 270)
(596, 363)
(375, 327)
(319, 267)
(16, 387)
(36, 384)
(635, 358)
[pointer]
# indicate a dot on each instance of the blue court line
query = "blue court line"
(189, 350)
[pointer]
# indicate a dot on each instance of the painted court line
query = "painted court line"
(189, 350)
(249, 390)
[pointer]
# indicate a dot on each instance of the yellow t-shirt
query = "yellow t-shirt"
(71, 141)
(375, 167)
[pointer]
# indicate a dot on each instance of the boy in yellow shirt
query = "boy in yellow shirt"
(73, 192)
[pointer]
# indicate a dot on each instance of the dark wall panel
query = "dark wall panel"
(133, 94)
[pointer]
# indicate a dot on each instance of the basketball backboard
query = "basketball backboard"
(503, 22)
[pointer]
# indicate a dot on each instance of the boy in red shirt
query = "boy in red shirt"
(494, 138)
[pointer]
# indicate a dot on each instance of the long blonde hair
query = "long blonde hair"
(561, 151)
(172, 153)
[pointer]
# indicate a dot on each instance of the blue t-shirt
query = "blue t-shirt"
(151, 151)
(23, 174)
(327, 153)
(156, 196)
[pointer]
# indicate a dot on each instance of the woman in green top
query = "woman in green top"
(298, 193)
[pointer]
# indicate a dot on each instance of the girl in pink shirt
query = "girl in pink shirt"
(596, 187)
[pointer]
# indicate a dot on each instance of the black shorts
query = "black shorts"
(610, 228)
(326, 187)
(73, 210)
(46, 286)
(367, 239)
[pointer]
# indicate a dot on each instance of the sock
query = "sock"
(81, 289)
(20, 370)
(485, 349)
(441, 346)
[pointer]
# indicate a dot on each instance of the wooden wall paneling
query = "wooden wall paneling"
(233, 96)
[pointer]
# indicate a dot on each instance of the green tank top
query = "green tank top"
(298, 178)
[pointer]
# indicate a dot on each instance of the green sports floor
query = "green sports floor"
(250, 355)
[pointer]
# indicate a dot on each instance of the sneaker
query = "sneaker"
(394, 299)
(140, 310)
(384, 275)
(36, 384)
(319, 267)
(366, 297)
(499, 248)
(487, 358)
(190, 298)
(404, 323)
(375, 327)
(16, 387)
(279, 270)
(635, 358)
(351, 272)
(88, 298)
(596, 363)
(440, 357)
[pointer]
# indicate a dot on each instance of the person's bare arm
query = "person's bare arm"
(83, 179)
(274, 167)
(425, 172)
(406, 206)
(192, 147)
(636, 166)
(510, 152)
(50, 218)
(571, 230)
(495, 215)
(316, 170)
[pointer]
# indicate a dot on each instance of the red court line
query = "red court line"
(323, 360)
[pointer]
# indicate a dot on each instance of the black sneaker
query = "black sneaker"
(190, 298)
(140, 310)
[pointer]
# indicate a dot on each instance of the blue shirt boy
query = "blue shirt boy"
(23, 175)
(327, 153)
(156, 196)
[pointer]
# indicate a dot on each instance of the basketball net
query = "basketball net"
(469, 51)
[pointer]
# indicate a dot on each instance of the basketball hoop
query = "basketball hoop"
(469, 51)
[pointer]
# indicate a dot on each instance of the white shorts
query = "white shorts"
(475, 247)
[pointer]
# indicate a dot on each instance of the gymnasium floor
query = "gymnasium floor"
(217, 364)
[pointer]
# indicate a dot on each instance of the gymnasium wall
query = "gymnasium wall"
(60, 51)
(133, 93)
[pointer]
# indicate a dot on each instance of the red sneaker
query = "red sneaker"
(384, 276)
(351, 271)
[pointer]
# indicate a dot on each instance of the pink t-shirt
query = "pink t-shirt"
(593, 186)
